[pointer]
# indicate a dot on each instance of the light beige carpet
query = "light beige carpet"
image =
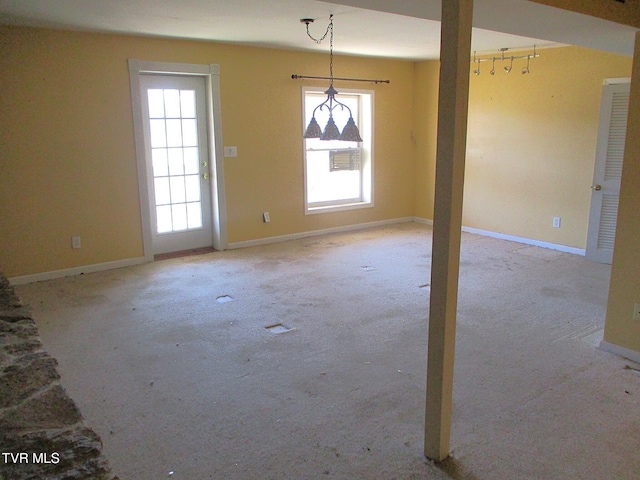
(172, 365)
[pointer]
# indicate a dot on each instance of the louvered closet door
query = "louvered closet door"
(607, 172)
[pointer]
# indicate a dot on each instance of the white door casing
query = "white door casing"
(142, 76)
(607, 172)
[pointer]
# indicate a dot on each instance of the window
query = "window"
(338, 174)
(175, 158)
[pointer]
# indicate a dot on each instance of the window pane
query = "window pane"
(194, 215)
(156, 103)
(189, 133)
(163, 196)
(179, 213)
(188, 103)
(192, 183)
(349, 179)
(175, 159)
(172, 103)
(176, 167)
(158, 133)
(174, 133)
(191, 160)
(163, 219)
(324, 185)
(160, 168)
(177, 189)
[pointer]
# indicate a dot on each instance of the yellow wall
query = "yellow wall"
(425, 123)
(624, 290)
(67, 153)
(621, 11)
(531, 144)
(268, 173)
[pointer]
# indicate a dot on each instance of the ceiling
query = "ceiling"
(406, 29)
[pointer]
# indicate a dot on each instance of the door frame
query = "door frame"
(211, 74)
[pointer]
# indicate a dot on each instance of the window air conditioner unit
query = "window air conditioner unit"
(345, 159)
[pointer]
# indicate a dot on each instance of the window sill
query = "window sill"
(337, 208)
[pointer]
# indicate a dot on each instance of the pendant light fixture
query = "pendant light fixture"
(350, 132)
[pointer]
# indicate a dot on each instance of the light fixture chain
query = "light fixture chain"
(331, 50)
(328, 31)
(329, 27)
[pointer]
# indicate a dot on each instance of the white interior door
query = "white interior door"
(177, 152)
(607, 173)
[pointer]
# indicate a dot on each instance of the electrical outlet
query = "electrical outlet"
(636, 311)
(556, 222)
(75, 242)
(265, 217)
(230, 152)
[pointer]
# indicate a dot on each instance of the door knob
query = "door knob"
(596, 187)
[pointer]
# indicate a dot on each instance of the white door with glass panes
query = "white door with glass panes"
(174, 115)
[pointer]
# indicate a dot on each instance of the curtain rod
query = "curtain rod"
(295, 77)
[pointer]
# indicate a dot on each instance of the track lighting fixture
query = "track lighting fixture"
(476, 71)
(502, 58)
(525, 70)
(509, 67)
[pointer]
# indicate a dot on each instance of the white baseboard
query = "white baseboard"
(511, 238)
(283, 238)
(423, 221)
(315, 233)
(70, 272)
(632, 355)
(526, 241)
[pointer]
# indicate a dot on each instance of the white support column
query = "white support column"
(455, 49)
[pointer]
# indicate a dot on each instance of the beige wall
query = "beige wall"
(67, 153)
(268, 173)
(625, 12)
(530, 146)
(425, 123)
(624, 290)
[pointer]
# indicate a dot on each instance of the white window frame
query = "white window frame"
(365, 122)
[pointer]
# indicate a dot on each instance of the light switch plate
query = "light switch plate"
(636, 311)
